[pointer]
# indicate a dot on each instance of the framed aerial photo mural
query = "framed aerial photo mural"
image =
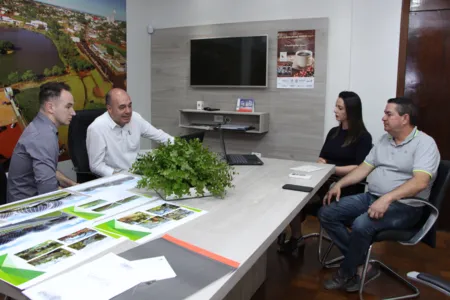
(82, 43)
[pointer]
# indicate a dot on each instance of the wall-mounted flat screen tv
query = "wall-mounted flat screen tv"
(229, 62)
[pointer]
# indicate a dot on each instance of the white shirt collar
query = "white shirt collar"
(113, 124)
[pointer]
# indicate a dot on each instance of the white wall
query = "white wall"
(374, 57)
(138, 58)
(363, 43)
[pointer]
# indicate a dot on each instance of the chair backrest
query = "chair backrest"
(3, 185)
(197, 135)
(437, 196)
(77, 137)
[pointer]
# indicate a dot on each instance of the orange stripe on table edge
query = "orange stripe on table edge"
(201, 251)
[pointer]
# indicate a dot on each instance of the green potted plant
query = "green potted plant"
(183, 169)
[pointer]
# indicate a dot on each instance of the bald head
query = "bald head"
(114, 94)
(118, 103)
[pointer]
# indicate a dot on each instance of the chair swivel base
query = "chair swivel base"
(282, 237)
(326, 264)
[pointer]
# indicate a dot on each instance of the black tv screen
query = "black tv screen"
(229, 62)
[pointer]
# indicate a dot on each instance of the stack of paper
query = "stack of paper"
(103, 278)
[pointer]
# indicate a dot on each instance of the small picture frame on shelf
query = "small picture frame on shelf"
(245, 105)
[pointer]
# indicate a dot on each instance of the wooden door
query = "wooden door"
(425, 46)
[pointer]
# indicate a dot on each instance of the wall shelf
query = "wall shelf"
(205, 120)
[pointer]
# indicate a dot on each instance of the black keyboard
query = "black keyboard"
(244, 159)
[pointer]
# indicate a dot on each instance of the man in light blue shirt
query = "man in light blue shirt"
(402, 164)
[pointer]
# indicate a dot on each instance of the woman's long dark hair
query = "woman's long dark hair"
(353, 108)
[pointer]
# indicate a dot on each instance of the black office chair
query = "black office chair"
(196, 135)
(77, 142)
(3, 185)
(424, 231)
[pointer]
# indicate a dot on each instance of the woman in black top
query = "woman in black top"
(346, 146)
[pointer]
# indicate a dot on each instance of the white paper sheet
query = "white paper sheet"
(101, 279)
(111, 184)
(153, 269)
(307, 168)
(299, 175)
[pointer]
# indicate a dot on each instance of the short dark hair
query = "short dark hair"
(51, 90)
(406, 106)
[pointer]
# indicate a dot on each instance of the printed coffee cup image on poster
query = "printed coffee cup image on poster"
(296, 59)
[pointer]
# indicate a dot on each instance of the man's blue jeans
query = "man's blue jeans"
(351, 212)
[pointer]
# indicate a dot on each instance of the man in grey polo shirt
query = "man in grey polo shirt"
(403, 164)
(32, 170)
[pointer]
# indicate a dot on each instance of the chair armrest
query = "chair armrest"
(434, 213)
(365, 183)
(417, 200)
(84, 172)
(336, 178)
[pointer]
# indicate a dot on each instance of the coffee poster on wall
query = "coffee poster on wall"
(81, 43)
(295, 59)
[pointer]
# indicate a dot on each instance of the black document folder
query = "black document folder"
(195, 269)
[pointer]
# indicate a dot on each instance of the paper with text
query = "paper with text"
(103, 278)
(153, 269)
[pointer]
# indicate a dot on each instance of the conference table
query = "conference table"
(241, 226)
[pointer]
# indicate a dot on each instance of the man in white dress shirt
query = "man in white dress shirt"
(113, 139)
